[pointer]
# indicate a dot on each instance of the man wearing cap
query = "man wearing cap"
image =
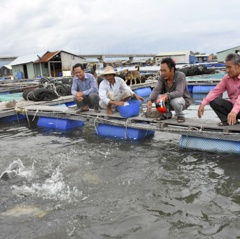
(113, 90)
(85, 90)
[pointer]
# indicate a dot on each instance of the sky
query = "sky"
(118, 26)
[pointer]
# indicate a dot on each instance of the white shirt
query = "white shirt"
(118, 86)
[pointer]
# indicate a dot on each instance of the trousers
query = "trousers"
(91, 100)
(222, 108)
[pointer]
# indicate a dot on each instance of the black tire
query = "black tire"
(61, 90)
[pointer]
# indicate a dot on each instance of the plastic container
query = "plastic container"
(190, 88)
(121, 132)
(132, 108)
(60, 124)
(146, 91)
(70, 103)
(13, 118)
(202, 88)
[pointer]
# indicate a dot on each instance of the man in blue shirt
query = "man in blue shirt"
(85, 90)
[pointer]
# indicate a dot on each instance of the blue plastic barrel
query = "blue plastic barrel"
(59, 124)
(190, 87)
(202, 88)
(120, 132)
(146, 91)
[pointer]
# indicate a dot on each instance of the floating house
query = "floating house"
(5, 70)
(221, 55)
(46, 64)
(180, 57)
(200, 58)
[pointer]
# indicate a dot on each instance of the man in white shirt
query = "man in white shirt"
(113, 91)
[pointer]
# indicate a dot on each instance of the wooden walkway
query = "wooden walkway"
(55, 109)
(191, 127)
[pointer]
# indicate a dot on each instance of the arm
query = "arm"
(93, 85)
(200, 110)
(124, 86)
(103, 92)
(214, 93)
(158, 89)
(232, 116)
(74, 87)
(155, 92)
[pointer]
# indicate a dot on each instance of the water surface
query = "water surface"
(77, 185)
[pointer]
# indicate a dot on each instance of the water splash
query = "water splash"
(16, 168)
(53, 188)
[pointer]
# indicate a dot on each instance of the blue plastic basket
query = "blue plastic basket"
(130, 110)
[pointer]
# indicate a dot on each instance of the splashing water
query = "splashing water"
(53, 188)
(16, 168)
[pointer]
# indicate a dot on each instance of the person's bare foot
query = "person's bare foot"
(109, 111)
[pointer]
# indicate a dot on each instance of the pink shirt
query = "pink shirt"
(233, 90)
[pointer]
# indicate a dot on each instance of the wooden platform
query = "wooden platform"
(191, 127)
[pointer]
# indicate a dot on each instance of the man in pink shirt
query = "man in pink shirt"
(226, 110)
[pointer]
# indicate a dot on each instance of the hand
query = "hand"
(149, 106)
(79, 98)
(200, 111)
(119, 103)
(139, 97)
(232, 118)
(79, 94)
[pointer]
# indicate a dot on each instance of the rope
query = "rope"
(94, 123)
(22, 111)
(35, 115)
(125, 132)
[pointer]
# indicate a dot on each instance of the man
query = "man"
(226, 110)
(172, 88)
(113, 91)
(85, 90)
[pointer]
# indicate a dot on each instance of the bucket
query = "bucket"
(129, 109)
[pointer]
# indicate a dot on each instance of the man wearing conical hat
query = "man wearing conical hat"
(113, 91)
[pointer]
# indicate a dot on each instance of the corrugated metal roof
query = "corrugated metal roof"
(229, 49)
(172, 53)
(26, 59)
(47, 56)
(8, 66)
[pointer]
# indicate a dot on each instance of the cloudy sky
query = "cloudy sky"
(118, 26)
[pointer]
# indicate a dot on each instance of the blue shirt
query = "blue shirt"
(87, 86)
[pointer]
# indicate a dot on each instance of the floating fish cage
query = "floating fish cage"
(59, 124)
(210, 145)
(120, 132)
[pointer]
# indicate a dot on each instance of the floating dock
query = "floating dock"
(61, 114)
